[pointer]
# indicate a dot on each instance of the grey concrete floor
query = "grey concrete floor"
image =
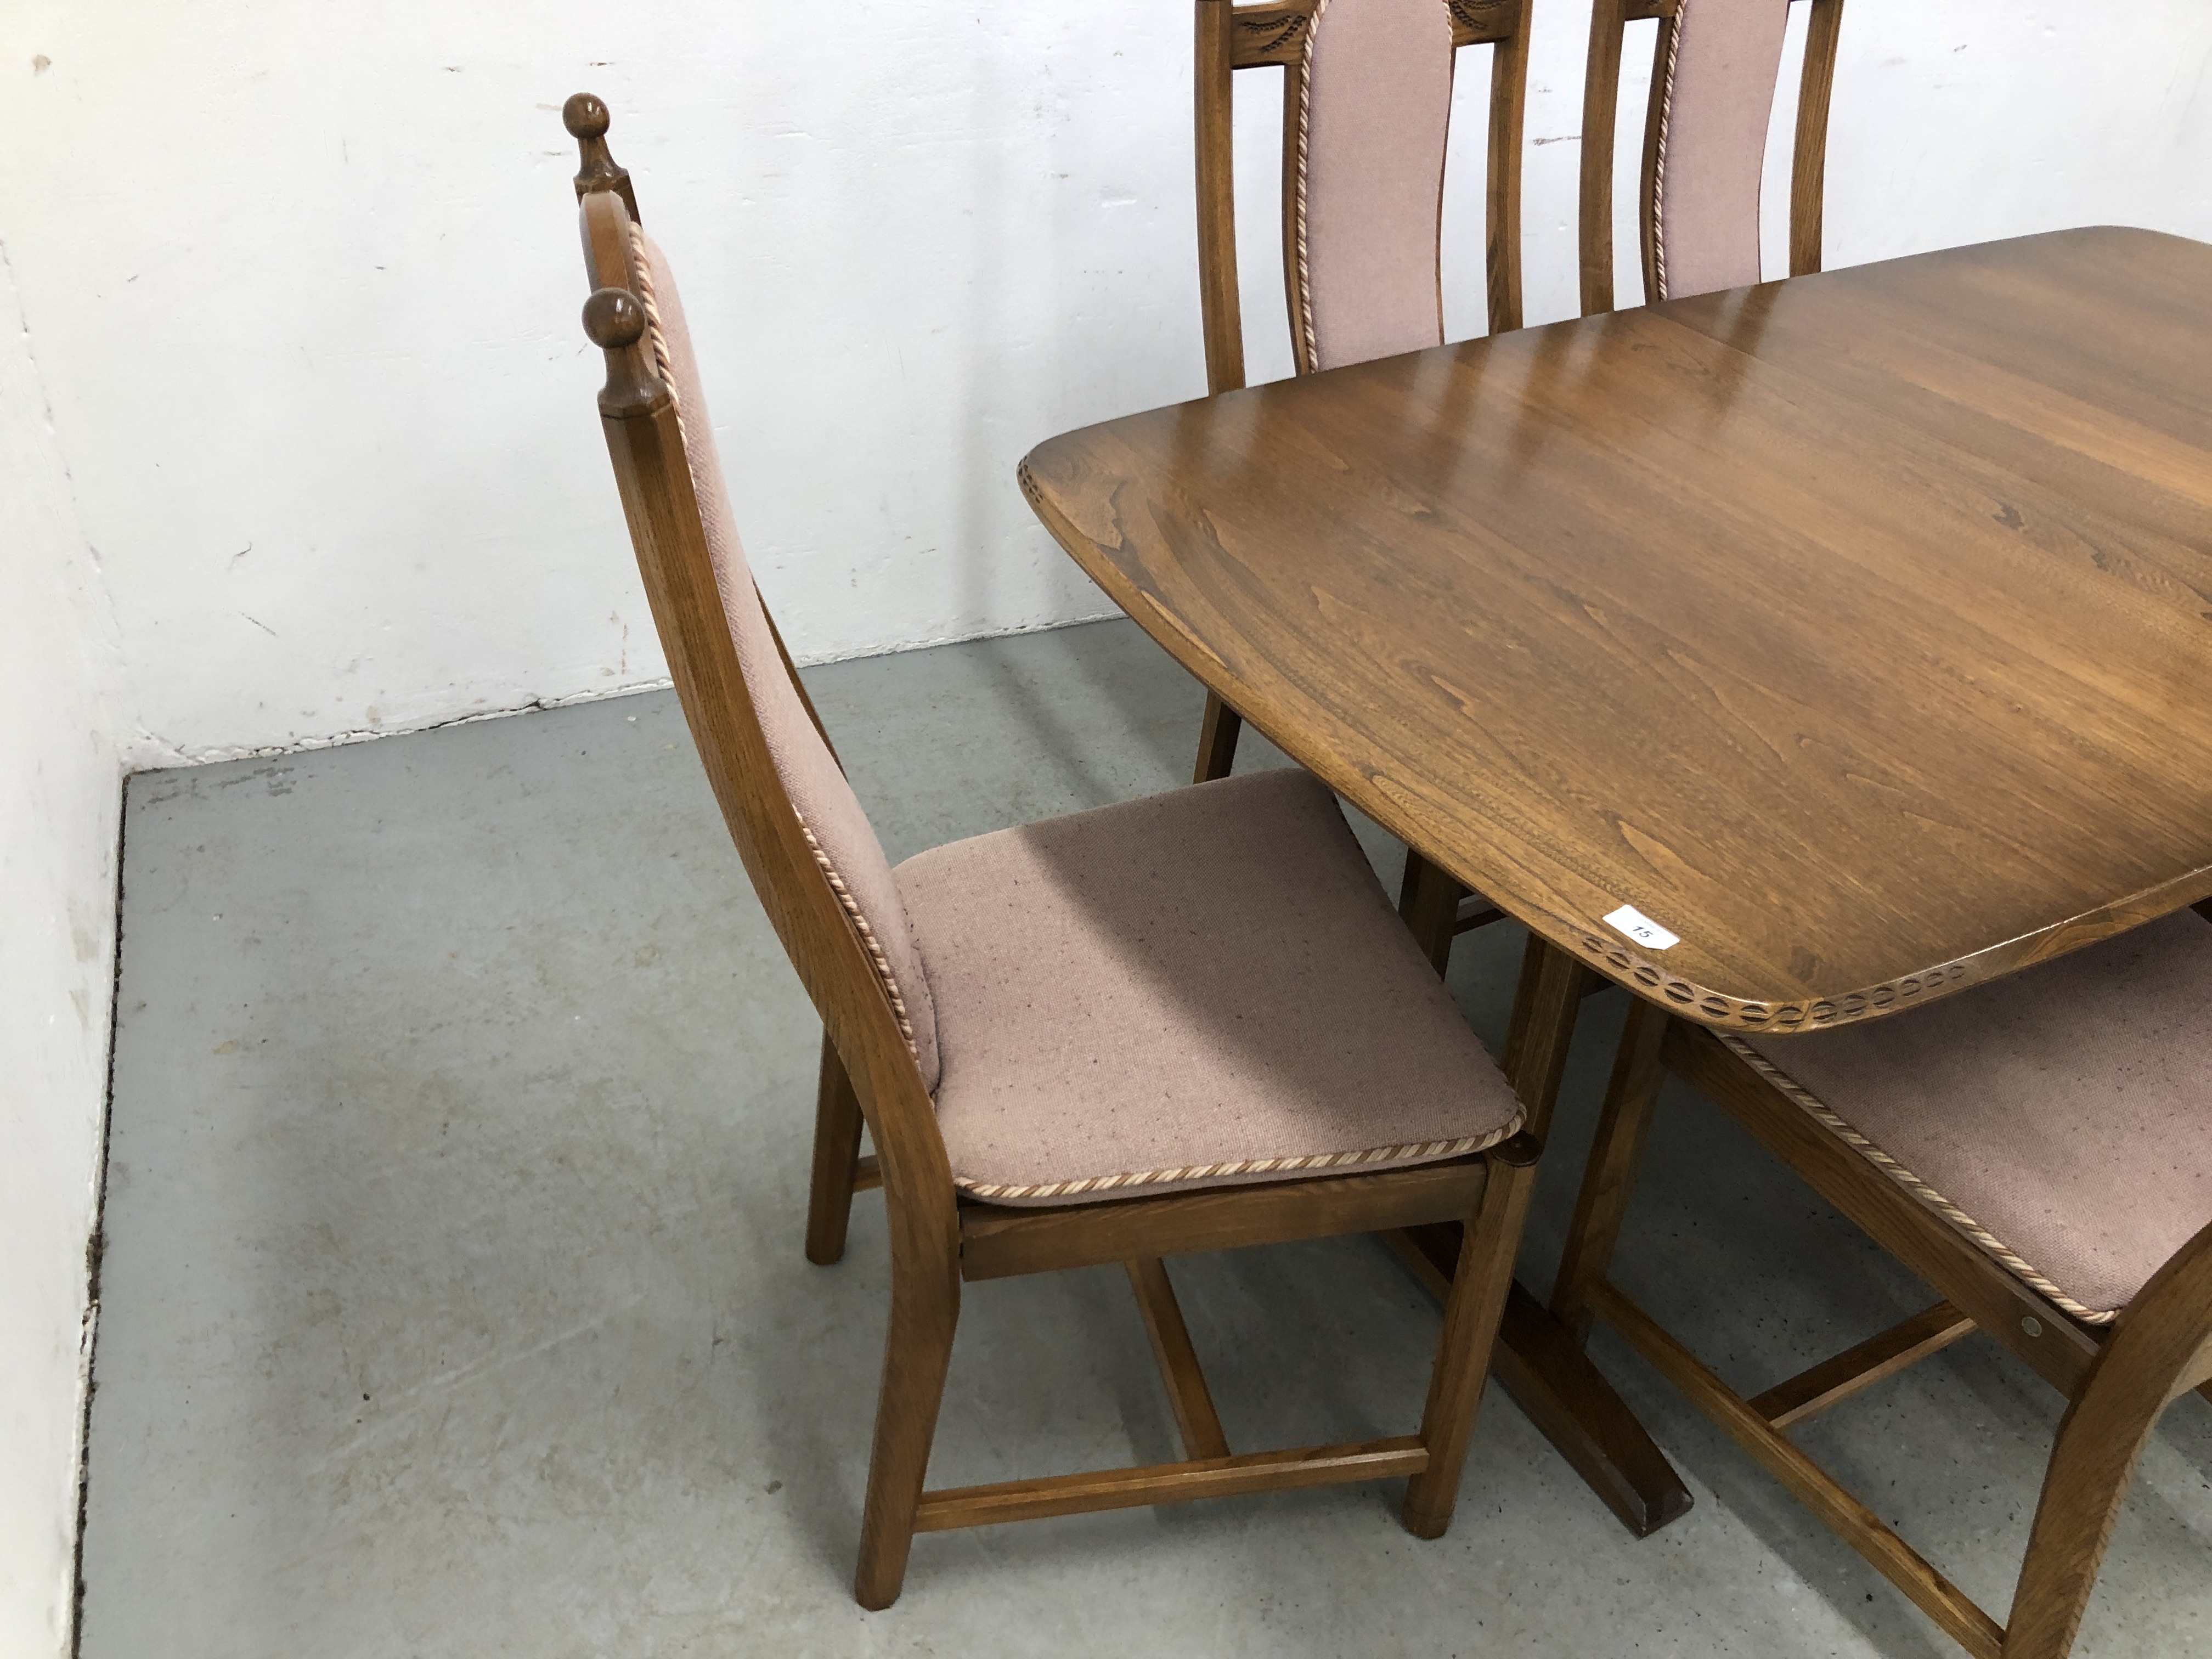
(453, 1303)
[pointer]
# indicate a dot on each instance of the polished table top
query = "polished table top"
(1855, 630)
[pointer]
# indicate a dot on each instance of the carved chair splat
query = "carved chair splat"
(902, 1051)
(1714, 68)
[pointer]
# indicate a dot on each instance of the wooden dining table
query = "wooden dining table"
(1792, 656)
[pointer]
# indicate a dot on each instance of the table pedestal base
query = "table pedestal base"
(1564, 1395)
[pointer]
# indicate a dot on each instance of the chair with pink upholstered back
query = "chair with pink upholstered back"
(1715, 64)
(1367, 95)
(1176, 1024)
(2038, 1150)
(1367, 98)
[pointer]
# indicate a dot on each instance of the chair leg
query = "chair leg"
(924, 1309)
(1428, 902)
(1479, 1289)
(836, 1159)
(2157, 1342)
(1192, 1401)
(1216, 740)
(1609, 1179)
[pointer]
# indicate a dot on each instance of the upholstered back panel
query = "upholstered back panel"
(1719, 96)
(1370, 168)
(844, 841)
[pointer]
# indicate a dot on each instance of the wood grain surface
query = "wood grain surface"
(1855, 628)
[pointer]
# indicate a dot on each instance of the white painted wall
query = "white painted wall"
(60, 790)
(306, 278)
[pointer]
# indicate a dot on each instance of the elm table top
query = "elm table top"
(1855, 628)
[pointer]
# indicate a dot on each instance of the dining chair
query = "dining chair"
(1714, 67)
(1177, 1024)
(1367, 97)
(2038, 1150)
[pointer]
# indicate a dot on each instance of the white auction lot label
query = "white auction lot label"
(1640, 927)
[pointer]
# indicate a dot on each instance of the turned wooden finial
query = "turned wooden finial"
(614, 318)
(585, 117)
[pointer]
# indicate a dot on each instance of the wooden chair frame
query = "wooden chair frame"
(1232, 38)
(870, 1078)
(1609, 20)
(2117, 1379)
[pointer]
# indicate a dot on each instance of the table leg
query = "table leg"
(1562, 1393)
(1540, 1360)
(1428, 902)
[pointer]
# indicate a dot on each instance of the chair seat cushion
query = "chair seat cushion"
(1202, 987)
(2061, 1118)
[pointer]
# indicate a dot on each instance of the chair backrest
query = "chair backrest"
(1367, 89)
(1714, 68)
(814, 859)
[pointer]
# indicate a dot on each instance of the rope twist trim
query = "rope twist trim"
(1306, 333)
(1421, 1152)
(1825, 1116)
(1659, 153)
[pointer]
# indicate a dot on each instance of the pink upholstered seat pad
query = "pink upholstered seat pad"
(2067, 1109)
(844, 841)
(1378, 109)
(1727, 55)
(1159, 994)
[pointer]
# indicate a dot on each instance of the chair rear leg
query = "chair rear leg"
(1477, 1303)
(1216, 740)
(917, 1349)
(836, 1158)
